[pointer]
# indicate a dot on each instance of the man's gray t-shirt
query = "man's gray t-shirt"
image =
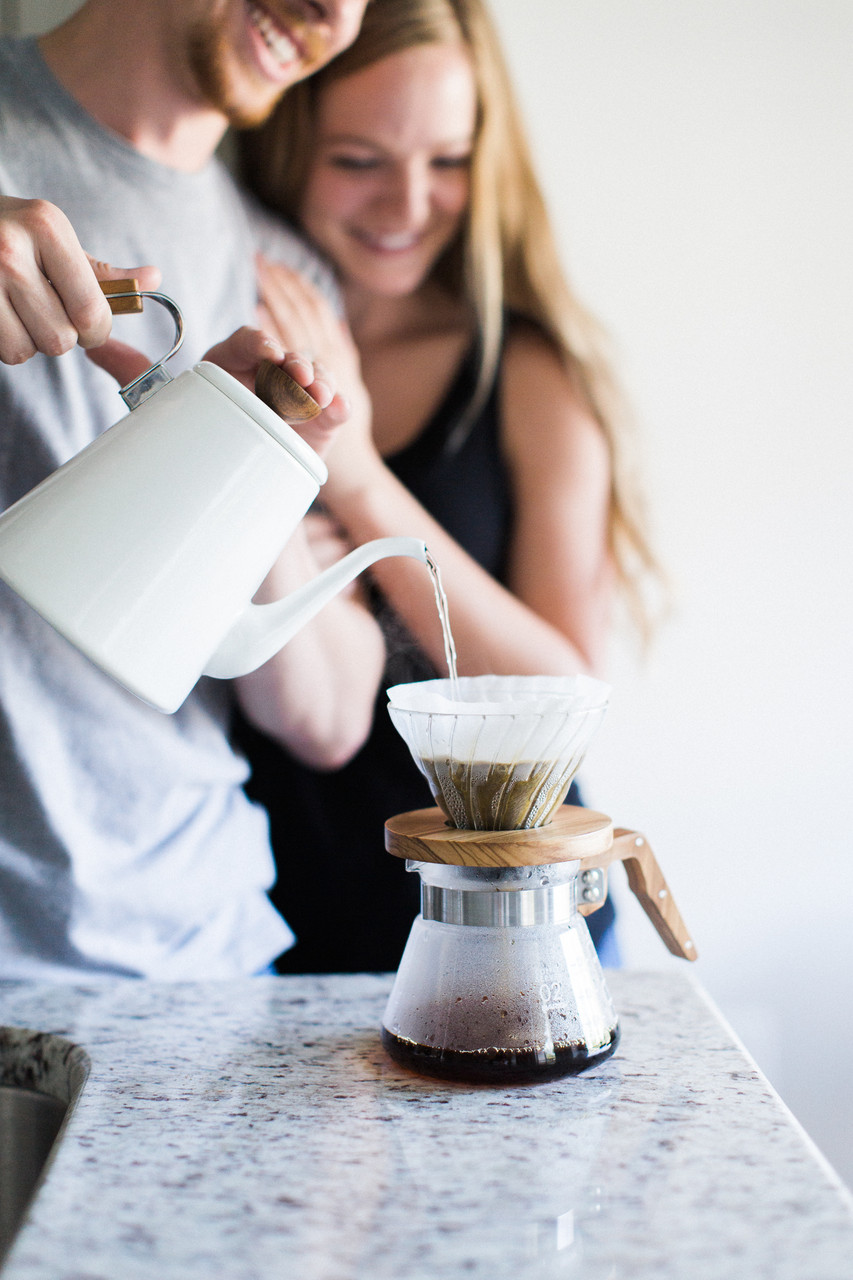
(127, 845)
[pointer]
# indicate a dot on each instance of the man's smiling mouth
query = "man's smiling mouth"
(277, 41)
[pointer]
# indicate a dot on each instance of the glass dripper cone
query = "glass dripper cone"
(499, 752)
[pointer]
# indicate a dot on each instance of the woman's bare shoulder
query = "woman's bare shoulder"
(542, 409)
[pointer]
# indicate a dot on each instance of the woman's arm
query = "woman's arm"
(552, 619)
(560, 563)
(316, 696)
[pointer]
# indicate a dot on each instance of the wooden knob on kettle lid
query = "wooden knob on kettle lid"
(283, 394)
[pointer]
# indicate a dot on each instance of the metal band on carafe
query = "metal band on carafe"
(548, 904)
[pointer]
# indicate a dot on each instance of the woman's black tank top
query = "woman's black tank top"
(349, 902)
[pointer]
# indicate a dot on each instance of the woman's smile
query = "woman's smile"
(389, 185)
(388, 242)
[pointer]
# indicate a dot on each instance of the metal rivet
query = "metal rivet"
(590, 895)
(639, 840)
(662, 893)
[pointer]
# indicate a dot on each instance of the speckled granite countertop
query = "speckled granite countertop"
(256, 1129)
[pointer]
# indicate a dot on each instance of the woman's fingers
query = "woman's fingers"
(311, 375)
(300, 313)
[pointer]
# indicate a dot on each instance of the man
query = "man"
(127, 846)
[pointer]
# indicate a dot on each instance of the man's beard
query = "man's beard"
(209, 55)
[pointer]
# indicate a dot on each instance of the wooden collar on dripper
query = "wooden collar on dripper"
(273, 385)
(573, 834)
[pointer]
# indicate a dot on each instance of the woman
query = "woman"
(489, 425)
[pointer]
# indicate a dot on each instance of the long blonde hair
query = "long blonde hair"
(505, 259)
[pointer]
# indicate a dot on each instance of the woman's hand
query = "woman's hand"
(301, 318)
(295, 314)
(241, 356)
(316, 695)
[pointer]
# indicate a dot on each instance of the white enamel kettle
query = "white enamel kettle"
(145, 549)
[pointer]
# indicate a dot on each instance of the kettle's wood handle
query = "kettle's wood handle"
(122, 306)
(283, 394)
(649, 887)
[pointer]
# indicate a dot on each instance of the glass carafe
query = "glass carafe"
(499, 980)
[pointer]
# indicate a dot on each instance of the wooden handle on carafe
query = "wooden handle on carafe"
(648, 886)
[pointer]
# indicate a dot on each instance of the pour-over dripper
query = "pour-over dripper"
(499, 752)
(500, 981)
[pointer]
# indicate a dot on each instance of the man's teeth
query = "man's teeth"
(279, 45)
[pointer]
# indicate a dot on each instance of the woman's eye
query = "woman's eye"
(451, 162)
(353, 162)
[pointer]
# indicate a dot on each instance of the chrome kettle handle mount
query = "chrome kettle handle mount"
(122, 296)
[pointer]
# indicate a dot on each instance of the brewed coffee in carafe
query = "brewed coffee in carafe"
(500, 980)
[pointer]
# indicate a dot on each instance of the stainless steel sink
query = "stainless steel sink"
(40, 1078)
(29, 1124)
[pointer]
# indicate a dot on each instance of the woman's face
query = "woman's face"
(389, 183)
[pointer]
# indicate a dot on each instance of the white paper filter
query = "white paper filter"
(501, 755)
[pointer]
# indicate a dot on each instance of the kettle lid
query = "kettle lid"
(265, 418)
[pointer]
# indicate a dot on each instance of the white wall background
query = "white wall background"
(697, 155)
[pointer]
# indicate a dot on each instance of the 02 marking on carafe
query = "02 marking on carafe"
(551, 995)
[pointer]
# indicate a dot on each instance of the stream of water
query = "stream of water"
(444, 617)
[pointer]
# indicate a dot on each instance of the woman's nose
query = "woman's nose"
(408, 193)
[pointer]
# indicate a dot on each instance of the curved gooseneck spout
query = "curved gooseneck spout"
(263, 629)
